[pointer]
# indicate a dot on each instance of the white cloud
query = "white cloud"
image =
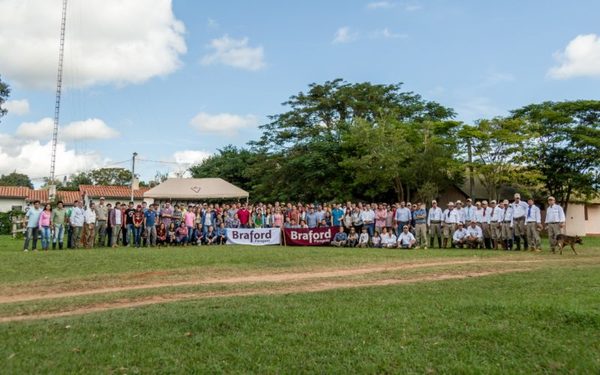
(90, 129)
(344, 35)
(191, 156)
(386, 33)
(107, 41)
(380, 5)
(413, 7)
(236, 53)
(17, 107)
(33, 158)
(224, 123)
(581, 58)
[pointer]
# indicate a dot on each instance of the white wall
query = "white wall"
(576, 223)
(6, 204)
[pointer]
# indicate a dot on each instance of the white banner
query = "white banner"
(255, 236)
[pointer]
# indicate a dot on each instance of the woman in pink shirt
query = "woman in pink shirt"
(45, 223)
(277, 219)
(380, 218)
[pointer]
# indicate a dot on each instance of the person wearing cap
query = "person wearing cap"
(406, 240)
(459, 237)
(460, 211)
(449, 221)
(420, 218)
(482, 217)
(520, 230)
(90, 226)
(474, 236)
(533, 223)
(434, 222)
(555, 222)
(496, 223)
(101, 217)
(469, 211)
(402, 217)
(507, 225)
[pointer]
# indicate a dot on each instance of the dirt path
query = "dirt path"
(251, 279)
(318, 287)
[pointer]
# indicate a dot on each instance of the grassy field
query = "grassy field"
(241, 309)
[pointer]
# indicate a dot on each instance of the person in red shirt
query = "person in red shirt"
(138, 220)
(244, 216)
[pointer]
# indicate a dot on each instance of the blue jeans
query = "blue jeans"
(137, 236)
(401, 225)
(45, 237)
(59, 233)
(190, 234)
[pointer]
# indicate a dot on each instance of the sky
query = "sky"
(177, 80)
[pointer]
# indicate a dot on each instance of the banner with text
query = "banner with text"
(255, 236)
(309, 236)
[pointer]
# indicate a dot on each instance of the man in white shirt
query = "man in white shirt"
(77, 219)
(520, 229)
(449, 221)
(507, 225)
(496, 223)
(90, 226)
(403, 217)
(459, 237)
(406, 240)
(434, 222)
(460, 211)
(555, 221)
(469, 211)
(368, 218)
(474, 236)
(482, 216)
(533, 222)
(388, 239)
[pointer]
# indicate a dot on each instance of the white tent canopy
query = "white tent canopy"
(191, 189)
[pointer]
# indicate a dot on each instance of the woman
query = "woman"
(347, 221)
(45, 223)
(277, 218)
(357, 222)
(380, 218)
(197, 235)
(258, 218)
(161, 235)
(268, 218)
(181, 234)
(352, 238)
(171, 234)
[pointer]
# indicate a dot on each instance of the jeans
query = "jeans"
(401, 225)
(190, 234)
(115, 234)
(137, 236)
(151, 235)
(101, 232)
(130, 234)
(31, 234)
(77, 237)
(45, 237)
(59, 233)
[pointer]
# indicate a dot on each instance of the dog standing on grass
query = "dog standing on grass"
(563, 240)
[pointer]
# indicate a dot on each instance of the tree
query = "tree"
(111, 176)
(564, 146)
(4, 93)
(16, 179)
(230, 164)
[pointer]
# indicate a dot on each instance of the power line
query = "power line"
(162, 161)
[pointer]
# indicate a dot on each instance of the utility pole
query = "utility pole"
(61, 53)
(133, 173)
(471, 177)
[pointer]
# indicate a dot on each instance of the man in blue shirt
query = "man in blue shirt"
(312, 218)
(340, 239)
(337, 215)
(33, 224)
(150, 224)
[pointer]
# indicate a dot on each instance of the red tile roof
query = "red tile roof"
(37, 195)
(97, 191)
(68, 197)
(14, 191)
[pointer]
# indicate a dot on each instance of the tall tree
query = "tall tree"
(111, 176)
(565, 146)
(15, 179)
(4, 93)
(229, 163)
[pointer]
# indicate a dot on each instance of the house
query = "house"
(583, 218)
(112, 194)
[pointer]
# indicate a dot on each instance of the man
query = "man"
(77, 220)
(507, 225)
(138, 222)
(337, 215)
(460, 212)
(33, 225)
(420, 216)
(434, 221)
(449, 222)
(150, 217)
(190, 218)
(402, 217)
(367, 215)
(495, 224)
(101, 212)
(406, 240)
(129, 233)
(340, 239)
(519, 209)
(459, 237)
(109, 227)
(555, 222)
(90, 226)
(474, 236)
(311, 218)
(59, 217)
(166, 212)
(533, 223)
(115, 220)
(469, 211)
(244, 216)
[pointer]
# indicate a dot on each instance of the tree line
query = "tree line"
(363, 141)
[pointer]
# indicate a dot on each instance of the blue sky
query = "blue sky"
(175, 81)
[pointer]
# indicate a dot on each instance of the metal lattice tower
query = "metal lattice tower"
(58, 91)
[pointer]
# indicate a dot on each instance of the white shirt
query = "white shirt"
(507, 215)
(534, 215)
(367, 216)
(451, 216)
(555, 214)
(389, 238)
(461, 215)
(405, 238)
(118, 216)
(77, 217)
(459, 234)
(90, 216)
(520, 209)
(496, 214)
(469, 212)
(364, 238)
(475, 232)
(435, 214)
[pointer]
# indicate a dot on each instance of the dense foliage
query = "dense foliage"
(15, 179)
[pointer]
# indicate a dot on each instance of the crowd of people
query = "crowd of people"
(494, 225)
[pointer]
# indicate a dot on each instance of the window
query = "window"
(585, 211)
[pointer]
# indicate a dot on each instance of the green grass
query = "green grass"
(546, 320)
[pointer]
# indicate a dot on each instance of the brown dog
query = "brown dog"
(563, 240)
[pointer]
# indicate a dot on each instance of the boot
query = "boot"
(53, 245)
(445, 243)
(439, 242)
(525, 243)
(60, 245)
(510, 245)
(518, 243)
(431, 242)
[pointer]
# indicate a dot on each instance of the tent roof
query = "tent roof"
(195, 188)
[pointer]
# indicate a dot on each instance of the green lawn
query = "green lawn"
(540, 320)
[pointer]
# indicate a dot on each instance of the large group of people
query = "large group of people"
(504, 224)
